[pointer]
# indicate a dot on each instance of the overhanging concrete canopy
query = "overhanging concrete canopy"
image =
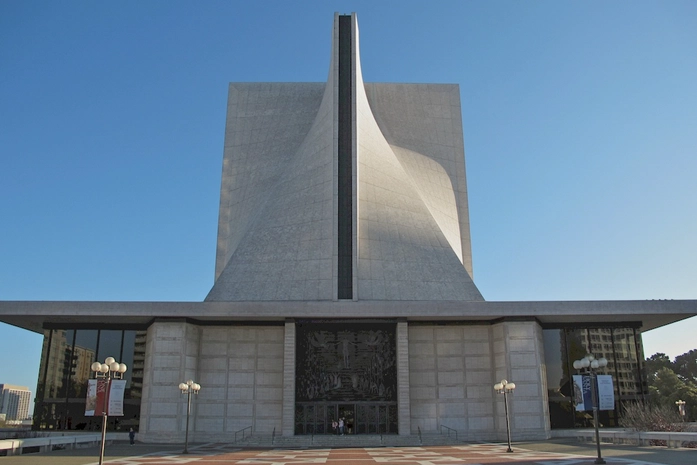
(647, 314)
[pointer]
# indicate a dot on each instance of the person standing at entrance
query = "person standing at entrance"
(132, 436)
(341, 426)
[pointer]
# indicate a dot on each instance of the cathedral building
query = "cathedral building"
(344, 288)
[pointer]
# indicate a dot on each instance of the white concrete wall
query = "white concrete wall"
(239, 368)
(275, 227)
(519, 358)
(171, 357)
(278, 221)
(453, 369)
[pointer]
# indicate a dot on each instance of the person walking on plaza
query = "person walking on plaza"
(341, 426)
(132, 436)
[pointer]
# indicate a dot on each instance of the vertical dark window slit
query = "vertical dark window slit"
(345, 165)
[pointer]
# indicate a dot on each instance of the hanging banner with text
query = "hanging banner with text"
(98, 399)
(583, 397)
(118, 388)
(606, 393)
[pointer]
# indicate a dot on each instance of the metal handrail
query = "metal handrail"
(449, 430)
(242, 431)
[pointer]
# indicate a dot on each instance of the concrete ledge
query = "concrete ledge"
(46, 444)
(642, 438)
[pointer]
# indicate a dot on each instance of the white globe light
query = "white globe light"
(585, 363)
(190, 382)
(183, 386)
(577, 365)
(595, 364)
(96, 366)
(104, 368)
(602, 362)
(498, 386)
(510, 386)
(197, 387)
(122, 368)
(114, 366)
(590, 357)
(109, 360)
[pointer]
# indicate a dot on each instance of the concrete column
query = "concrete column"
(403, 402)
(288, 422)
(171, 357)
(519, 358)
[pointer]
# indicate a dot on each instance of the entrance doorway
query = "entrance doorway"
(359, 417)
(346, 412)
(346, 370)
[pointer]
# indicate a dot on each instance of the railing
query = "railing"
(273, 435)
(52, 442)
(242, 431)
(643, 438)
(420, 441)
(449, 430)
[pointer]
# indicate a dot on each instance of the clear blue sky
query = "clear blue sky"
(580, 123)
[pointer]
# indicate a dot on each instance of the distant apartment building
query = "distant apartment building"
(14, 402)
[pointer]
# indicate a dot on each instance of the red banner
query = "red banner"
(101, 401)
(98, 399)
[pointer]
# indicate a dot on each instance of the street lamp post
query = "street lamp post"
(110, 369)
(681, 408)
(590, 364)
(505, 388)
(188, 388)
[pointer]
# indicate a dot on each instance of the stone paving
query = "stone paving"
(541, 453)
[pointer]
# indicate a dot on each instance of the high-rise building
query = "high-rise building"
(343, 288)
(14, 401)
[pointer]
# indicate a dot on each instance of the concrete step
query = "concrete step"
(348, 440)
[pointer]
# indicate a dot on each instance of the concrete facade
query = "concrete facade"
(277, 230)
(453, 368)
(241, 367)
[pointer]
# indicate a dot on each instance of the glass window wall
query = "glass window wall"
(65, 370)
(621, 346)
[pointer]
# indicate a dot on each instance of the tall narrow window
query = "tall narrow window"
(345, 165)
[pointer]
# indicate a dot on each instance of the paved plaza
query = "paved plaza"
(540, 453)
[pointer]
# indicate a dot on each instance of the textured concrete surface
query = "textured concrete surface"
(453, 370)
(240, 370)
(277, 228)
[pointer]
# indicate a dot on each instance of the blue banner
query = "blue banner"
(583, 398)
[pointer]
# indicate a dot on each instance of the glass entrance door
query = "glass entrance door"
(359, 417)
(347, 413)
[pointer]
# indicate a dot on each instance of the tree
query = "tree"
(655, 363)
(667, 388)
(685, 366)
